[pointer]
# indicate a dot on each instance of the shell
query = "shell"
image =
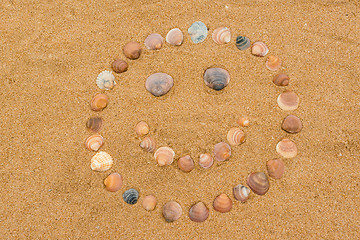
(154, 41)
(292, 124)
(164, 156)
(198, 32)
(258, 182)
(175, 37)
(186, 163)
(132, 50)
(199, 212)
(94, 124)
(131, 196)
(148, 144)
(273, 63)
(281, 79)
(172, 211)
(101, 162)
(242, 43)
(94, 142)
(259, 49)
(276, 168)
(244, 122)
(105, 80)
(221, 35)
(241, 193)
(286, 148)
(206, 160)
(113, 182)
(222, 151)
(288, 101)
(159, 84)
(119, 66)
(142, 128)
(149, 203)
(99, 102)
(216, 78)
(222, 203)
(235, 136)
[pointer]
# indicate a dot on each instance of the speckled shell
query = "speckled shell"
(154, 41)
(131, 196)
(216, 78)
(242, 43)
(273, 63)
(281, 79)
(159, 84)
(206, 160)
(244, 121)
(94, 142)
(99, 102)
(186, 163)
(119, 66)
(105, 80)
(258, 182)
(142, 128)
(113, 182)
(287, 148)
(222, 151)
(222, 203)
(164, 156)
(235, 136)
(132, 50)
(292, 124)
(221, 35)
(276, 168)
(198, 32)
(175, 37)
(94, 124)
(148, 144)
(259, 49)
(172, 211)
(198, 212)
(288, 101)
(149, 203)
(241, 193)
(101, 162)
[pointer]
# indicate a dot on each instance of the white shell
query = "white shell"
(164, 156)
(102, 161)
(105, 80)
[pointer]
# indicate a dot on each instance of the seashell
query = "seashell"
(164, 156)
(235, 136)
(258, 182)
(288, 101)
(131, 196)
(273, 63)
(105, 80)
(141, 128)
(222, 151)
(94, 124)
(222, 203)
(99, 102)
(149, 203)
(281, 79)
(159, 84)
(186, 163)
(276, 168)
(101, 162)
(198, 32)
(292, 124)
(242, 43)
(244, 122)
(119, 66)
(216, 78)
(221, 35)
(286, 148)
(199, 212)
(175, 37)
(113, 182)
(241, 193)
(206, 160)
(148, 144)
(94, 142)
(259, 49)
(132, 50)
(154, 41)
(172, 211)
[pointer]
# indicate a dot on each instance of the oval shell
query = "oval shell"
(119, 66)
(292, 124)
(287, 148)
(235, 136)
(273, 63)
(131, 196)
(258, 182)
(105, 80)
(259, 49)
(94, 124)
(159, 84)
(148, 144)
(164, 156)
(198, 32)
(99, 102)
(216, 78)
(244, 122)
(113, 182)
(172, 211)
(94, 142)
(154, 41)
(186, 163)
(288, 101)
(242, 43)
(132, 50)
(206, 160)
(241, 193)
(221, 35)
(149, 203)
(222, 203)
(276, 168)
(142, 128)
(222, 151)
(175, 37)
(101, 162)
(281, 79)
(199, 212)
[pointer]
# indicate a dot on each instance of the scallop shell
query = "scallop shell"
(105, 80)
(172, 211)
(132, 50)
(154, 41)
(101, 162)
(119, 66)
(206, 160)
(148, 144)
(222, 151)
(242, 43)
(175, 37)
(164, 156)
(273, 63)
(149, 203)
(94, 142)
(259, 49)
(216, 78)
(281, 79)
(159, 84)
(113, 182)
(99, 102)
(244, 122)
(131, 196)
(288, 101)
(198, 32)
(222, 203)
(186, 163)
(142, 128)
(276, 168)
(199, 212)
(287, 148)
(292, 124)
(235, 136)
(94, 124)
(258, 182)
(221, 35)
(241, 193)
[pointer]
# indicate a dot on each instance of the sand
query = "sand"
(51, 54)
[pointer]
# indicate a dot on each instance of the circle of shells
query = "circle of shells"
(158, 84)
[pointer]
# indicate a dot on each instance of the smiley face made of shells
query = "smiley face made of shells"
(159, 84)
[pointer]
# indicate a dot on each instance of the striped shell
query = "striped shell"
(175, 37)
(273, 63)
(259, 49)
(113, 182)
(154, 41)
(206, 160)
(216, 78)
(221, 35)
(287, 148)
(119, 66)
(241, 193)
(99, 102)
(94, 142)
(242, 43)
(288, 101)
(172, 211)
(258, 182)
(101, 162)
(199, 212)
(94, 124)
(222, 203)
(159, 84)
(235, 136)
(142, 128)
(105, 80)
(222, 151)
(164, 156)
(148, 144)
(131, 196)
(198, 32)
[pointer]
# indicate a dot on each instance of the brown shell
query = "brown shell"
(244, 122)
(222, 203)
(132, 50)
(172, 211)
(241, 193)
(222, 151)
(186, 163)
(287, 148)
(94, 142)
(142, 128)
(119, 66)
(273, 63)
(276, 168)
(148, 144)
(292, 124)
(113, 182)
(258, 182)
(206, 160)
(99, 102)
(149, 203)
(175, 37)
(288, 101)
(164, 156)
(235, 136)
(94, 124)
(101, 162)
(281, 79)
(199, 212)
(259, 49)
(154, 41)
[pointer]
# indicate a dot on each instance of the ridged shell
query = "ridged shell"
(154, 41)
(142, 128)
(148, 144)
(131, 196)
(222, 203)
(94, 124)
(175, 37)
(113, 182)
(242, 43)
(186, 163)
(244, 122)
(235, 136)
(287, 148)
(241, 193)
(259, 49)
(101, 162)
(172, 211)
(281, 79)
(216, 78)
(221, 35)
(99, 102)
(159, 84)
(222, 151)
(105, 80)
(273, 63)
(198, 32)
(164, 156)
(276, 168)
(206, 160)
(292, 124)
(258, 182)
(149, 203)
(119, 66)
(288, 101)
(199, 212)
(94, 142)
(132, 50)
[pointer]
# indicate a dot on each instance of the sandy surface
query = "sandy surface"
(51, 54)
